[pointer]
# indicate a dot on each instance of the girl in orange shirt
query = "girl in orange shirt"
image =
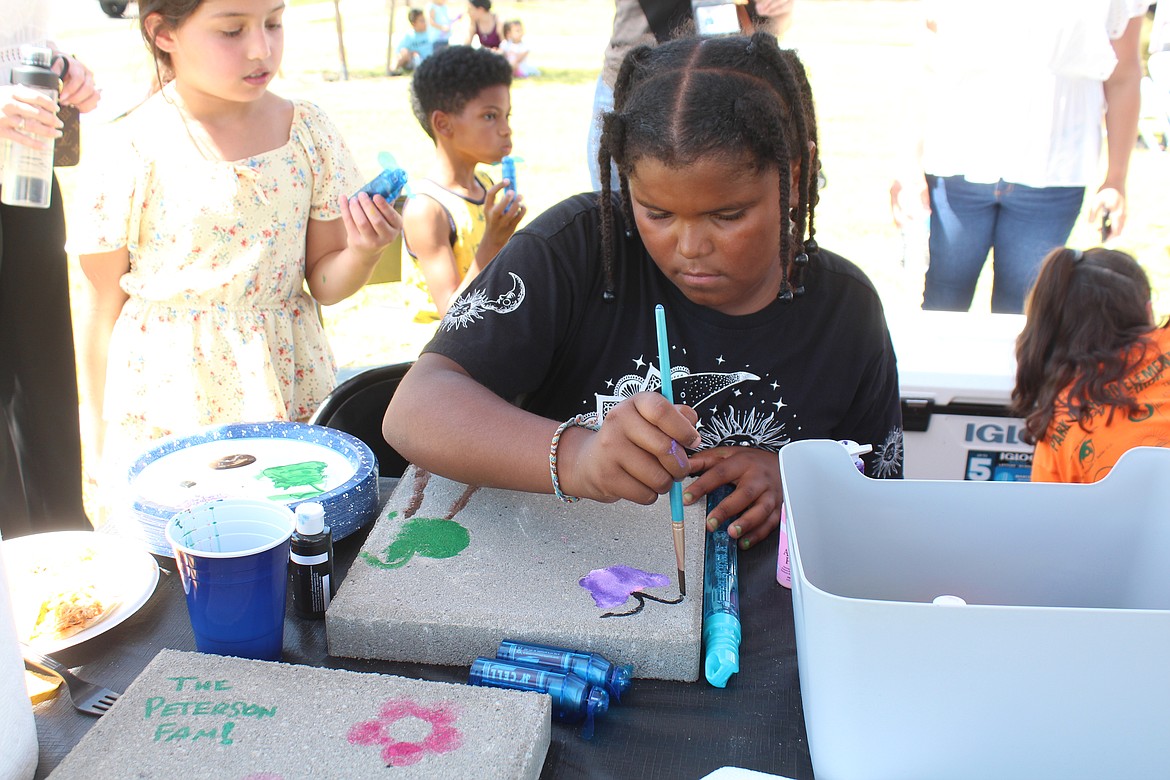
(1093, 370)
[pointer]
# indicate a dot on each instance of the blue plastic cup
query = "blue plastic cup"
(232, 556)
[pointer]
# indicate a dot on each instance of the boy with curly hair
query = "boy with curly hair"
(457, 219)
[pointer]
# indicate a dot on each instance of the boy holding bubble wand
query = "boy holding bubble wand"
(457, 219)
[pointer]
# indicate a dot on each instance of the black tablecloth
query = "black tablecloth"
(660, 729)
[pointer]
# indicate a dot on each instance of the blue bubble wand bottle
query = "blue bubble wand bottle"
(508, 172)
(390, 183)
(573, 699)
(593, 668)
(721, 628)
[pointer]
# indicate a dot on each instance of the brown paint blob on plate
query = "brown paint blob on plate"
(232, 461)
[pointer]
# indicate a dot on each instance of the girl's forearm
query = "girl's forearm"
(98, 324)
(338, 275)
(104, 300)
(1123, 105)
(471, 435)
(92, 381)
(340, 254)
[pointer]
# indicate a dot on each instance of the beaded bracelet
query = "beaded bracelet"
(573, 422)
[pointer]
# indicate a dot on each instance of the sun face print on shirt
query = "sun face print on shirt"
(886, 460)
(474, 304)
(735, 408)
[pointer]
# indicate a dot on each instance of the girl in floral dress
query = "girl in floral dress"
(211, 206)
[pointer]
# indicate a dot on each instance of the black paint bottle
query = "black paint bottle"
(311, 562)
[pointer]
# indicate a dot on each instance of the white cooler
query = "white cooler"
(1056, 666)
(956, 372)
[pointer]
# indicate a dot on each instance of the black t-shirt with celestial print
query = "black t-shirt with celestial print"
(533, 328)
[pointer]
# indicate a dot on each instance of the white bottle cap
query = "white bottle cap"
(950, 601)
(39, 56)
(310, 519)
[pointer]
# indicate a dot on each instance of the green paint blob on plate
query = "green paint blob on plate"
(429, 537)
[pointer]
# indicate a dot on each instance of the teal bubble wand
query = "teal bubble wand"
(508, 172)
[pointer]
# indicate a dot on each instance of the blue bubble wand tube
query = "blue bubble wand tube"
(508, 171)
(593, 668)
(390, 183)
(573, 699)
(721, 627)
(676, 502)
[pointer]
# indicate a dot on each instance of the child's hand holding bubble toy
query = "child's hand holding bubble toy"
(508, 172)
(390, 183)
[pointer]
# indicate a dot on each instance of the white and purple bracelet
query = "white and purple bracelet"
(579, 421)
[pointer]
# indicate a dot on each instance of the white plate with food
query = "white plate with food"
(70, 586)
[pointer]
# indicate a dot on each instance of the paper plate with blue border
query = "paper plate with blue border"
(285, 462)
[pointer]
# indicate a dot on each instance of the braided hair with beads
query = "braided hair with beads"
(727, 97)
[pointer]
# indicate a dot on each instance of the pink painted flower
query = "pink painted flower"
(443, 737)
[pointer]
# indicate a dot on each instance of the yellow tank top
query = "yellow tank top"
(465, 217)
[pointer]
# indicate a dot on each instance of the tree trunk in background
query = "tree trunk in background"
(392, 8)
(340, 40)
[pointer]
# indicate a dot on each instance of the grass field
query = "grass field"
(857, 53)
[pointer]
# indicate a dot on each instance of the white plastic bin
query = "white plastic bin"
(1057, 667)
(956, 372)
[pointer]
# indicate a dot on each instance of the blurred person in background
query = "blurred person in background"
(650, 22)
(516, 51)
(1012, 108)
(415, 45)
(484, 25)
(1159, 60)
(40, 440)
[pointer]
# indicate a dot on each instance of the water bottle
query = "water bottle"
(28, 172)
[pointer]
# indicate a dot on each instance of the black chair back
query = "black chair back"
(357, 407)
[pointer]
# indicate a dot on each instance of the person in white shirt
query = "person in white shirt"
(1011, 137)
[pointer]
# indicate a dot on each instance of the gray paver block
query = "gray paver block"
(517, 578)
(192, 715)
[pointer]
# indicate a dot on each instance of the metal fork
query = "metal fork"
(87, 697)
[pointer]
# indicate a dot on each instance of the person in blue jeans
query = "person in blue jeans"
(968, 219)
(1010, 144)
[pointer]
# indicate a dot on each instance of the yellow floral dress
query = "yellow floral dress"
(218, 327)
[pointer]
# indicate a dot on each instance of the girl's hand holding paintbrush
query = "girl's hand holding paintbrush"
(636, 455)
(757, 496)
(631, 457)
